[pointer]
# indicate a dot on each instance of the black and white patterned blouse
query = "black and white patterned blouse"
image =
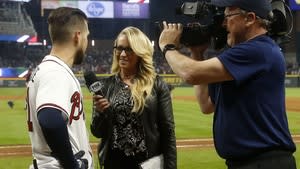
(128, 133)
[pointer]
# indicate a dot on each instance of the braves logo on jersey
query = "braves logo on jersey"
(77, 106)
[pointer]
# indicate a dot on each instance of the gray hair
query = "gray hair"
(262, 22)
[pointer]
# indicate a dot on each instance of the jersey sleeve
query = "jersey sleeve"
(244, 61)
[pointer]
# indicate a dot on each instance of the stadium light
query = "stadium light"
(23, 74)
(153, 43)
(23, 38)
(45, 42)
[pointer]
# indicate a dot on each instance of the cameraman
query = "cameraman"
(243, 86)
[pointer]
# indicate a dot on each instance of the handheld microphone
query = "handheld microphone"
(92, 83)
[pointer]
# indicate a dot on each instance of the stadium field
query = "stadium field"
(190, 124)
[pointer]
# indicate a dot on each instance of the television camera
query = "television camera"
(210, 29)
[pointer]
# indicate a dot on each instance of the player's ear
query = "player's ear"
(77, 37)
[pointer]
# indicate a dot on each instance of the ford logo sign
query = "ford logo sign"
(95, 9)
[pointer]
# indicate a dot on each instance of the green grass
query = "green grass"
(189, 121)
(15, 162)
(199, 158)
(13, 128)
(294, 121)
(293, 92)
(183, 91)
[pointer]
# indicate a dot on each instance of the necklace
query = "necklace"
(127, 76)
(128, 79)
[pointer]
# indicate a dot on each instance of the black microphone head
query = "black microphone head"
(92, 83)
(90, 78)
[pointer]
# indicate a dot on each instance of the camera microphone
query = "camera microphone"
(93, 84)
(281, 24)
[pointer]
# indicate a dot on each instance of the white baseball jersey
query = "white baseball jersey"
(53, 84)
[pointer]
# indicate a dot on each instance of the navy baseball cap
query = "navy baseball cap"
(261, 8)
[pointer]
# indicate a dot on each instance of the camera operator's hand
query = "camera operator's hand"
(170, 35)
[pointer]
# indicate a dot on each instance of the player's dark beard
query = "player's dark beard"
(79, 57)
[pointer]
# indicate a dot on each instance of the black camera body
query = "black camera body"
(210, 28)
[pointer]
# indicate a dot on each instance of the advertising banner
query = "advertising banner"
(97, 9)
(131, 10)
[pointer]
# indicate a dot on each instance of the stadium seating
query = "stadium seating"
(14, 20)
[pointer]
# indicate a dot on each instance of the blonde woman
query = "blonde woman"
(134, 117)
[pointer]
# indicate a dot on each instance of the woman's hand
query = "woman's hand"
(100, 103)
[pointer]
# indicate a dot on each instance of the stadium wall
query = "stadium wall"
(290, 81)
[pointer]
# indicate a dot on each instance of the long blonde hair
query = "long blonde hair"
(145, 77)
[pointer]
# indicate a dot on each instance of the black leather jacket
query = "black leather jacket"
(157, 119)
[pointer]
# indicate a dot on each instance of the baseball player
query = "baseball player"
(56, 120)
